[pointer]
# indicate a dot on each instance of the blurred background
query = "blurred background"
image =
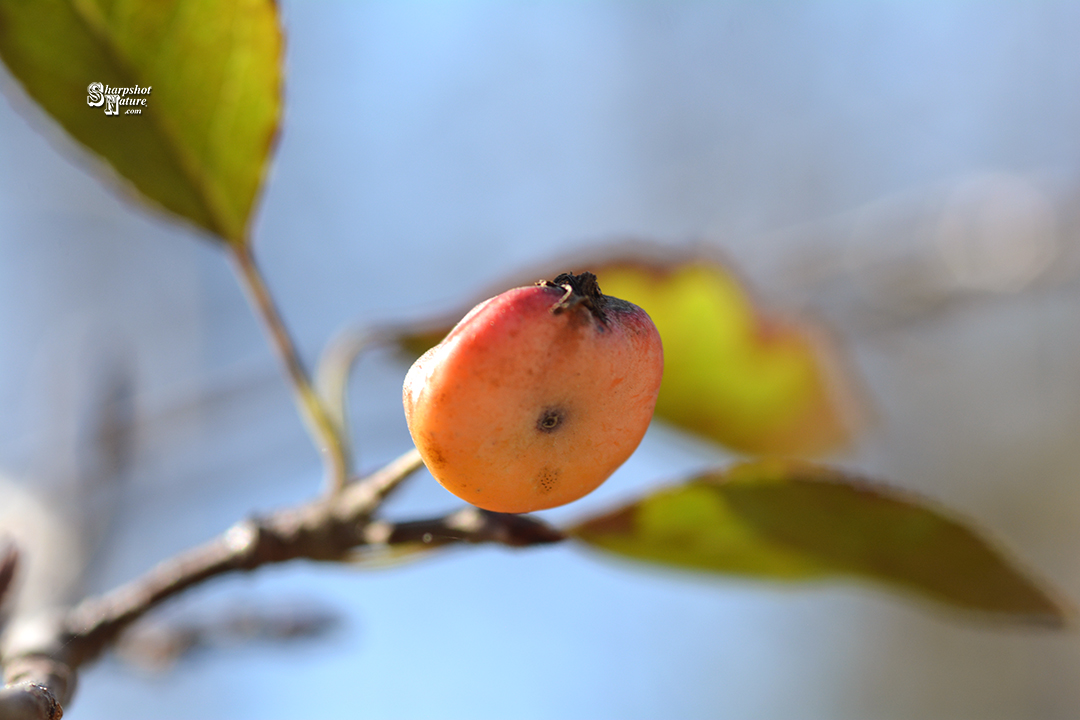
(909, 174)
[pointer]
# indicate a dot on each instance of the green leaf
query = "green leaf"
(201, 143)
(782, 520)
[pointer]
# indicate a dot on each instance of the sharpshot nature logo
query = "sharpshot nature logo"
(113, 98)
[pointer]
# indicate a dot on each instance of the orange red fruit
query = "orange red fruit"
(537, 396)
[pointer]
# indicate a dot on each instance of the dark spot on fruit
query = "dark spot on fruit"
(435, 455)
(547, 479)
(551, 419)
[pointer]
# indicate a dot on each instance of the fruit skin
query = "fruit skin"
(537, 396)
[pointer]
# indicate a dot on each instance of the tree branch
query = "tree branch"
(40, 672)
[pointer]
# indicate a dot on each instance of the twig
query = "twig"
(40, 673)
(332, 374)
(9, 563)
(364, 497)
(324, 431)
(471, 525)
(26, 700)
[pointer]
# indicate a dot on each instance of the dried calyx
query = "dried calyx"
(580, 290)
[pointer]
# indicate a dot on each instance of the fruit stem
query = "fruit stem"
(320, 425)
(580, 290)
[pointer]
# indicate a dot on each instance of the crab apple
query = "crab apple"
(537, 396)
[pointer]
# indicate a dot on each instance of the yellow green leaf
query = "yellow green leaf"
(748, 380)
(200, 143)
(789, 521)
